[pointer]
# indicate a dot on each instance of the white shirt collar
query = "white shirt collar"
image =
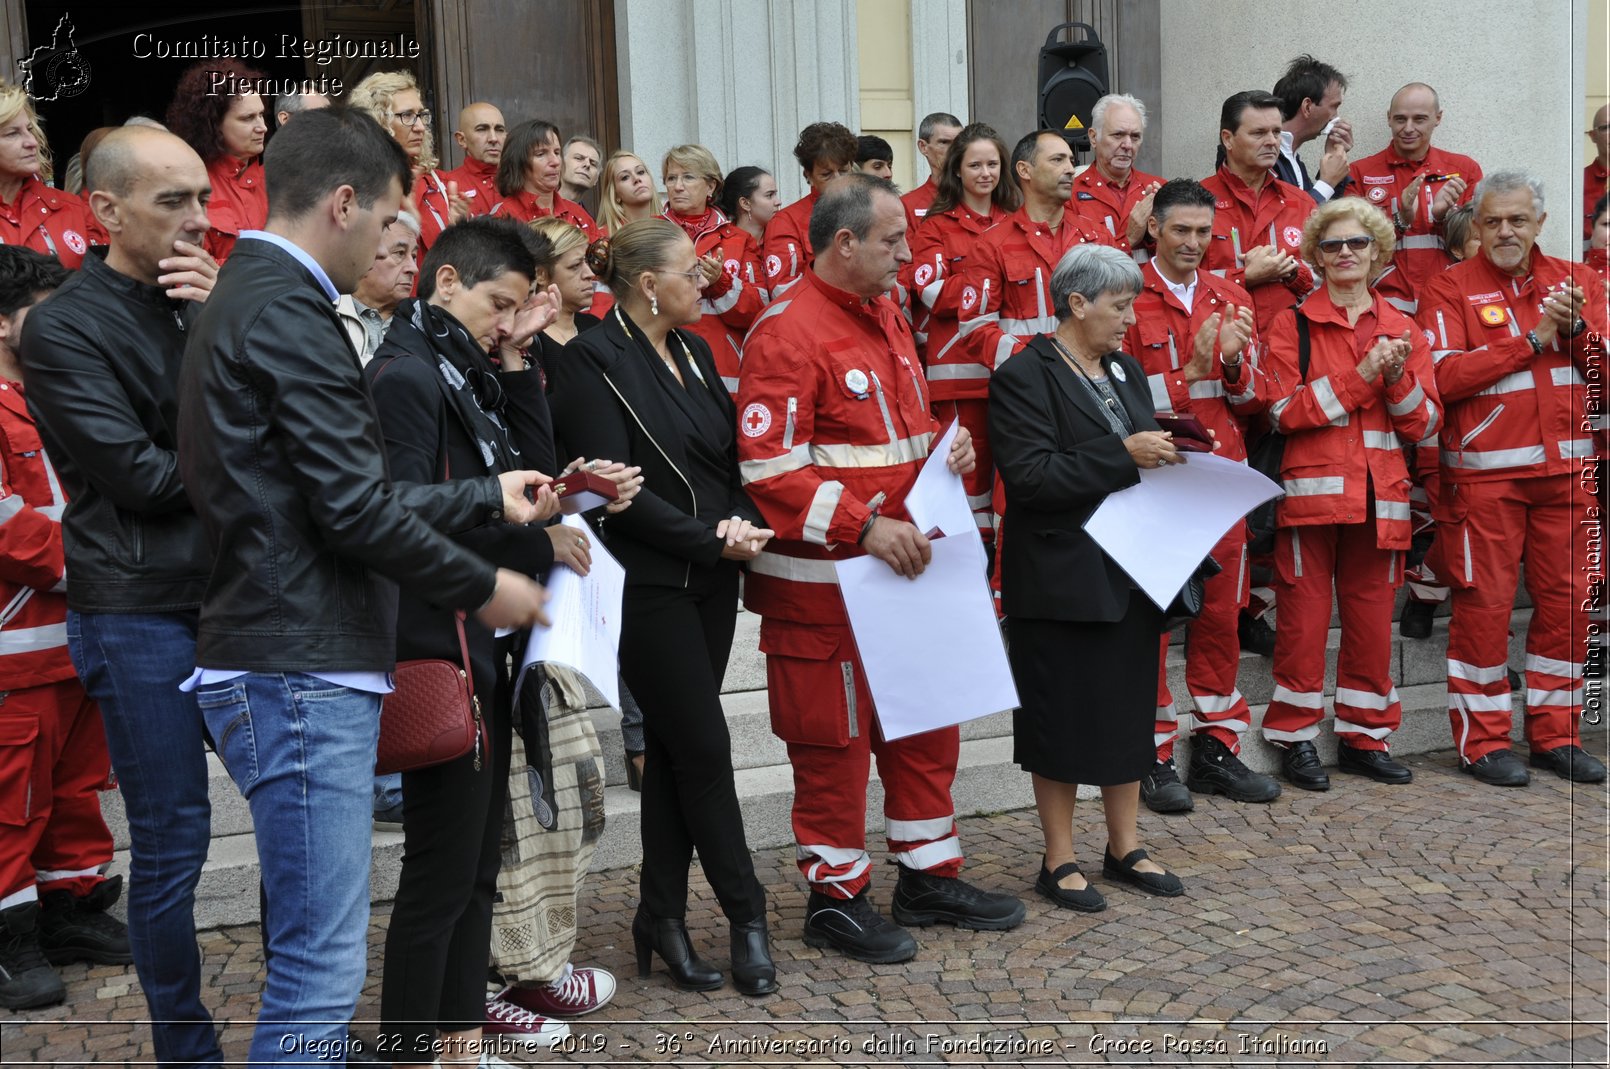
(1186, 293)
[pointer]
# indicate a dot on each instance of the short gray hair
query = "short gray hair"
(1091, 270)
(1099, 112)
(925, 130)
(408, 221)
(1509, 182)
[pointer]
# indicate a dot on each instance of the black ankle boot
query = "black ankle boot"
(753, 971)
(668, 938)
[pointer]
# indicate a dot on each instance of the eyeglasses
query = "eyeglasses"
(412, 118)
(1358, 243)
(692, 276)
(1601, 128)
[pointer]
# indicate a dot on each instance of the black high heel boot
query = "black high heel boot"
(669, 939)
(753, 971)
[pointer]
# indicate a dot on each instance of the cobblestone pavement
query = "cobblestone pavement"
(1444, 922)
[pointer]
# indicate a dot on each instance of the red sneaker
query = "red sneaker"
(575, 994)
(532, 1029)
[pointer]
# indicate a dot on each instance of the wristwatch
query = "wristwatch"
(1535, 341)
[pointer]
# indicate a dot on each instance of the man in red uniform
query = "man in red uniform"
(33, 214)
(1195, 337)
(1516, 336)
(934, 135)
(825, 151)
(480, 134)
(1597, 172)
(1416, 185)
(53, 898)
(1111, 193)
(1258, 219)
(834, 427)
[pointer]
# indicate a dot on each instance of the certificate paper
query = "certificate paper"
(586, 615)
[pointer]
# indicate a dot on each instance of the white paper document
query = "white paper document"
(937, 501)
(1159, 530)
(586, 615)
(930, 645)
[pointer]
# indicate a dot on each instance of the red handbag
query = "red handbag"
(433, 715)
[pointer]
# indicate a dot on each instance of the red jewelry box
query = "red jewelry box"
(1190, 436)
(582, 491)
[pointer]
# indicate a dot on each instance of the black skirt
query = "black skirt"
(1088, 694)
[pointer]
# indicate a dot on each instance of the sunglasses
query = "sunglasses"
(1358, 243)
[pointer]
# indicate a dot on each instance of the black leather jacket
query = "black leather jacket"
(282, 455)
(102, 361)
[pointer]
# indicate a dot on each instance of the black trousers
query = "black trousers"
(674, 649)
(439, 941)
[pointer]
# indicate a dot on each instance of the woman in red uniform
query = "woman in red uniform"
(749, 198)
(392, 99)
(227, 132)
(1367, 389)
(528, 177)
(628, 193)
(728, 256)
(973, 195)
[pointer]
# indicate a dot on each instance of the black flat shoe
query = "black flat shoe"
(1086, 900)
(668, 938)
(1158, 883)
(753, 971)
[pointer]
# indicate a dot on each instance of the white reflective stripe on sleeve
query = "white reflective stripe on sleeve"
(1160, 398)
(819, 518)
(1329, 403)
(1472, 460)
(731, 383)
(726, 302)
(1303, 699)
(1248, 390)
(793, 460)
(1437, 355)
(1278, 408)
(967, 326)
(1413, 400)
(776, 307)
(941, 372)
(1004, 349)
(916, 831)
(1480, 703)
(1392, 510)
(1514, 382)
(1381, 440)
(795, 569)
(10, 505)
(1327, 484)
(1574, 448)
(1206, 388)
(1536, 698)
(1408, 308)
(33, 639)
(1566, 376)
(930, 293)
(1421, 241)
(1347, 727)
(887, 455)
(1363, 699)
(1553, 666)
(931, 855)
(1476, 673)
(1217, 703)
(1027, 328)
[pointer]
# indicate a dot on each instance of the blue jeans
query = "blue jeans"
(132, 665)
(388, 791)
(302, 752)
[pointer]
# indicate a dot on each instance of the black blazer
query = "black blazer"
(1059, 458)
(614, 398)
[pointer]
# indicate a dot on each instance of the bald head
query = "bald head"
(481, 132)
(1415, 93)
(129, 153)
(1600, 133)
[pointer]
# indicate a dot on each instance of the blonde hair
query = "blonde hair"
(611, 214)
(14, 101)
(374, 95)
(698, 160)
(641, 246)
(562, 237)
(1359, 211)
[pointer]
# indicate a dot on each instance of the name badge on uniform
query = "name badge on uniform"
(1118, 372)
(856, 381)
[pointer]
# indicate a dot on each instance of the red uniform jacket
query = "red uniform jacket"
(1162, 339)
(788, 243)
(33, 604)
(480, 177)
(523, 207)
(1512, 414)
(1344, 435)
(917, 202)
(434, 207)
(832, 415)
(1108, 206)
(1594, 178)
(1242, 222)
(935, 280)
(50, 221)
(1420, 253)
(1006, 293)
(239, 203)
(730, 303)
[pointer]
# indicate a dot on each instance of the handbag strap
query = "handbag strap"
(464, 652)
(1304, 350)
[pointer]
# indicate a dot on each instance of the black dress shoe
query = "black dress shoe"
(853, 926)
(753, 971)
(1570, 762)
(922, 898)
(1162, 790)
(1500, 768)
(1416, 619)
(1302, 768)
(1086, 900)
(1255, 635)
(668, 937)
(1158, 883)
(1376, 764)
(1216, 770)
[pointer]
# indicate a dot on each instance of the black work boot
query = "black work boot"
(26, 979)
(1162, 790)
(1215, 769)
(922, 898)
(853, 926)
(73, 928)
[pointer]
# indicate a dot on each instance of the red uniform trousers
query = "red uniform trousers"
(1308, 560)
(1546, 522)
(1212, 655)
(1425, 469)
(821, 707)
(53, 763)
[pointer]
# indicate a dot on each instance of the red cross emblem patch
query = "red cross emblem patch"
(756, 420)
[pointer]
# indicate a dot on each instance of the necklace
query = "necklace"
(1073, 361)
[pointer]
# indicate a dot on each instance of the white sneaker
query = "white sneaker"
(534, 1030)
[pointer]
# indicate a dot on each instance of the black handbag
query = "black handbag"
(1187, 604)
(1266, 456)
